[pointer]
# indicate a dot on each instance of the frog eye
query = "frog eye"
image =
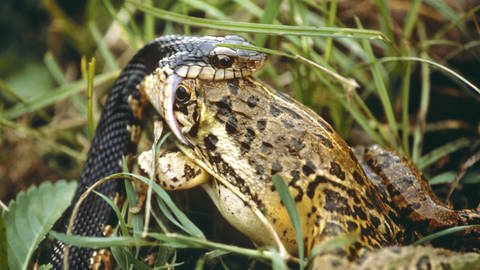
(221, 61)
(182, 95)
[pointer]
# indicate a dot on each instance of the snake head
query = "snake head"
(201, 58)
(235, 62)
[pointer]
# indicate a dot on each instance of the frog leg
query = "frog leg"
(411, 194)
(173, 170)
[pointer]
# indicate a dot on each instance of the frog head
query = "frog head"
(182, 108)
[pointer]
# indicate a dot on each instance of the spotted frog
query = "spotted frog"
(240, 133)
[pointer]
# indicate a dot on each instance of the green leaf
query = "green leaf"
(31, 216)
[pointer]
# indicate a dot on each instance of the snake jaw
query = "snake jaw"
(173, 82)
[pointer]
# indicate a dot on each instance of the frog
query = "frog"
(240, 133)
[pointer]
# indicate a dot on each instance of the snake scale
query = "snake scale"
(177, 57)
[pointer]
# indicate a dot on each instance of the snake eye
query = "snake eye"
(221, 61)
(182, 95)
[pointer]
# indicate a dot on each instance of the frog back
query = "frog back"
(249, 133)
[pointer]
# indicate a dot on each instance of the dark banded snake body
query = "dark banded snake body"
(116, 136)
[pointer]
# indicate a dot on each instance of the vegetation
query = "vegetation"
(418, 94)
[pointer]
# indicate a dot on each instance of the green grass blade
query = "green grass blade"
(103, 47)
(211, 10)
(58, 94)
(278, 263)
(132, 32)
(125, 259)
(54, 68)
(385, 16)
(149, 24)
(41, 137)
(338, 242)
(121, 260)
(11, 92)
(383, 93)
(123, 226)
(268, 17)
(405, 108)
(440, 67)
(292, 211)
(90, 78)
(332, 14)
(187, 225)
(100, 242)
(444, 9)
(168, 215)
(445, 232)
(443, 178)
(136, 219)
(412, 17)
(465, 16)
(158, 142)
(419, 129)
(250, 7)
(261, 28)
(441, 151)
(188, 241)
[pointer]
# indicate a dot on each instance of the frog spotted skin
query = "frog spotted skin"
(241, 133)
(244, 133)
(408, 258)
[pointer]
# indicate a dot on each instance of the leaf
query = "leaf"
(31, 216)
(45, 267)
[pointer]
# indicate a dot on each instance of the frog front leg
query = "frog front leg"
(173, 170)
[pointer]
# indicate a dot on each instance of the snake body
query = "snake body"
(177, 57)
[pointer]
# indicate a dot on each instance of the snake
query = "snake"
(176, 58)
